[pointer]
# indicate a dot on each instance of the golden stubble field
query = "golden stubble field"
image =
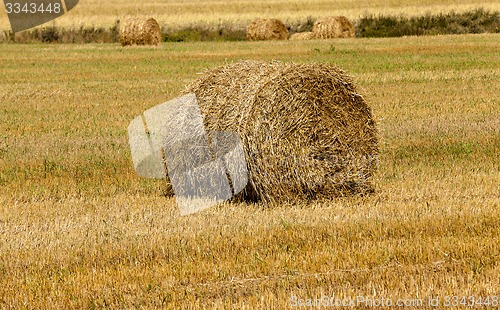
(79, 229)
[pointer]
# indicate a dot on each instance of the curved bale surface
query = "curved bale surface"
(307, 132)
(302, 36)
(140, 32)
(266, 29)
(333, 27)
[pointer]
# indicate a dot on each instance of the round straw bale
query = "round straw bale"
(140, 32)
(306, 131)
(267, 29)
(333, 27)
(302, 36)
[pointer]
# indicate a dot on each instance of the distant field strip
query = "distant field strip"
(176, 14)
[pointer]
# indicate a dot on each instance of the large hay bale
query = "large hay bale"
(333, 27)
(302, 36)
(267, 29)
(307, 132)
(140, 32)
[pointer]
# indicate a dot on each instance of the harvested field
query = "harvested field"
(80, 230)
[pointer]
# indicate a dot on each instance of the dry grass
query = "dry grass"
(78, 229)
(308, 35)
(140, 32)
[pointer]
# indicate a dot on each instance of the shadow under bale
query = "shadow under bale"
(306, 131)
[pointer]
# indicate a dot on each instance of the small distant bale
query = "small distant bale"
(306, 131)
(302, 36)
(138, 31)
(333, 27)
(266, 29)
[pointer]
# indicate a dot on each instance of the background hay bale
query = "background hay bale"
(140, 32)
(306, 131)
(302, 36)
(267, 29)
(333, 27)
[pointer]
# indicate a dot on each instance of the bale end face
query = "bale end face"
(140, 32)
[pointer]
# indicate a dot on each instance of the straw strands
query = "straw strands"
(140, 32)
(267, 29)
(333, 27)
(302, 36)
(307, 132)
